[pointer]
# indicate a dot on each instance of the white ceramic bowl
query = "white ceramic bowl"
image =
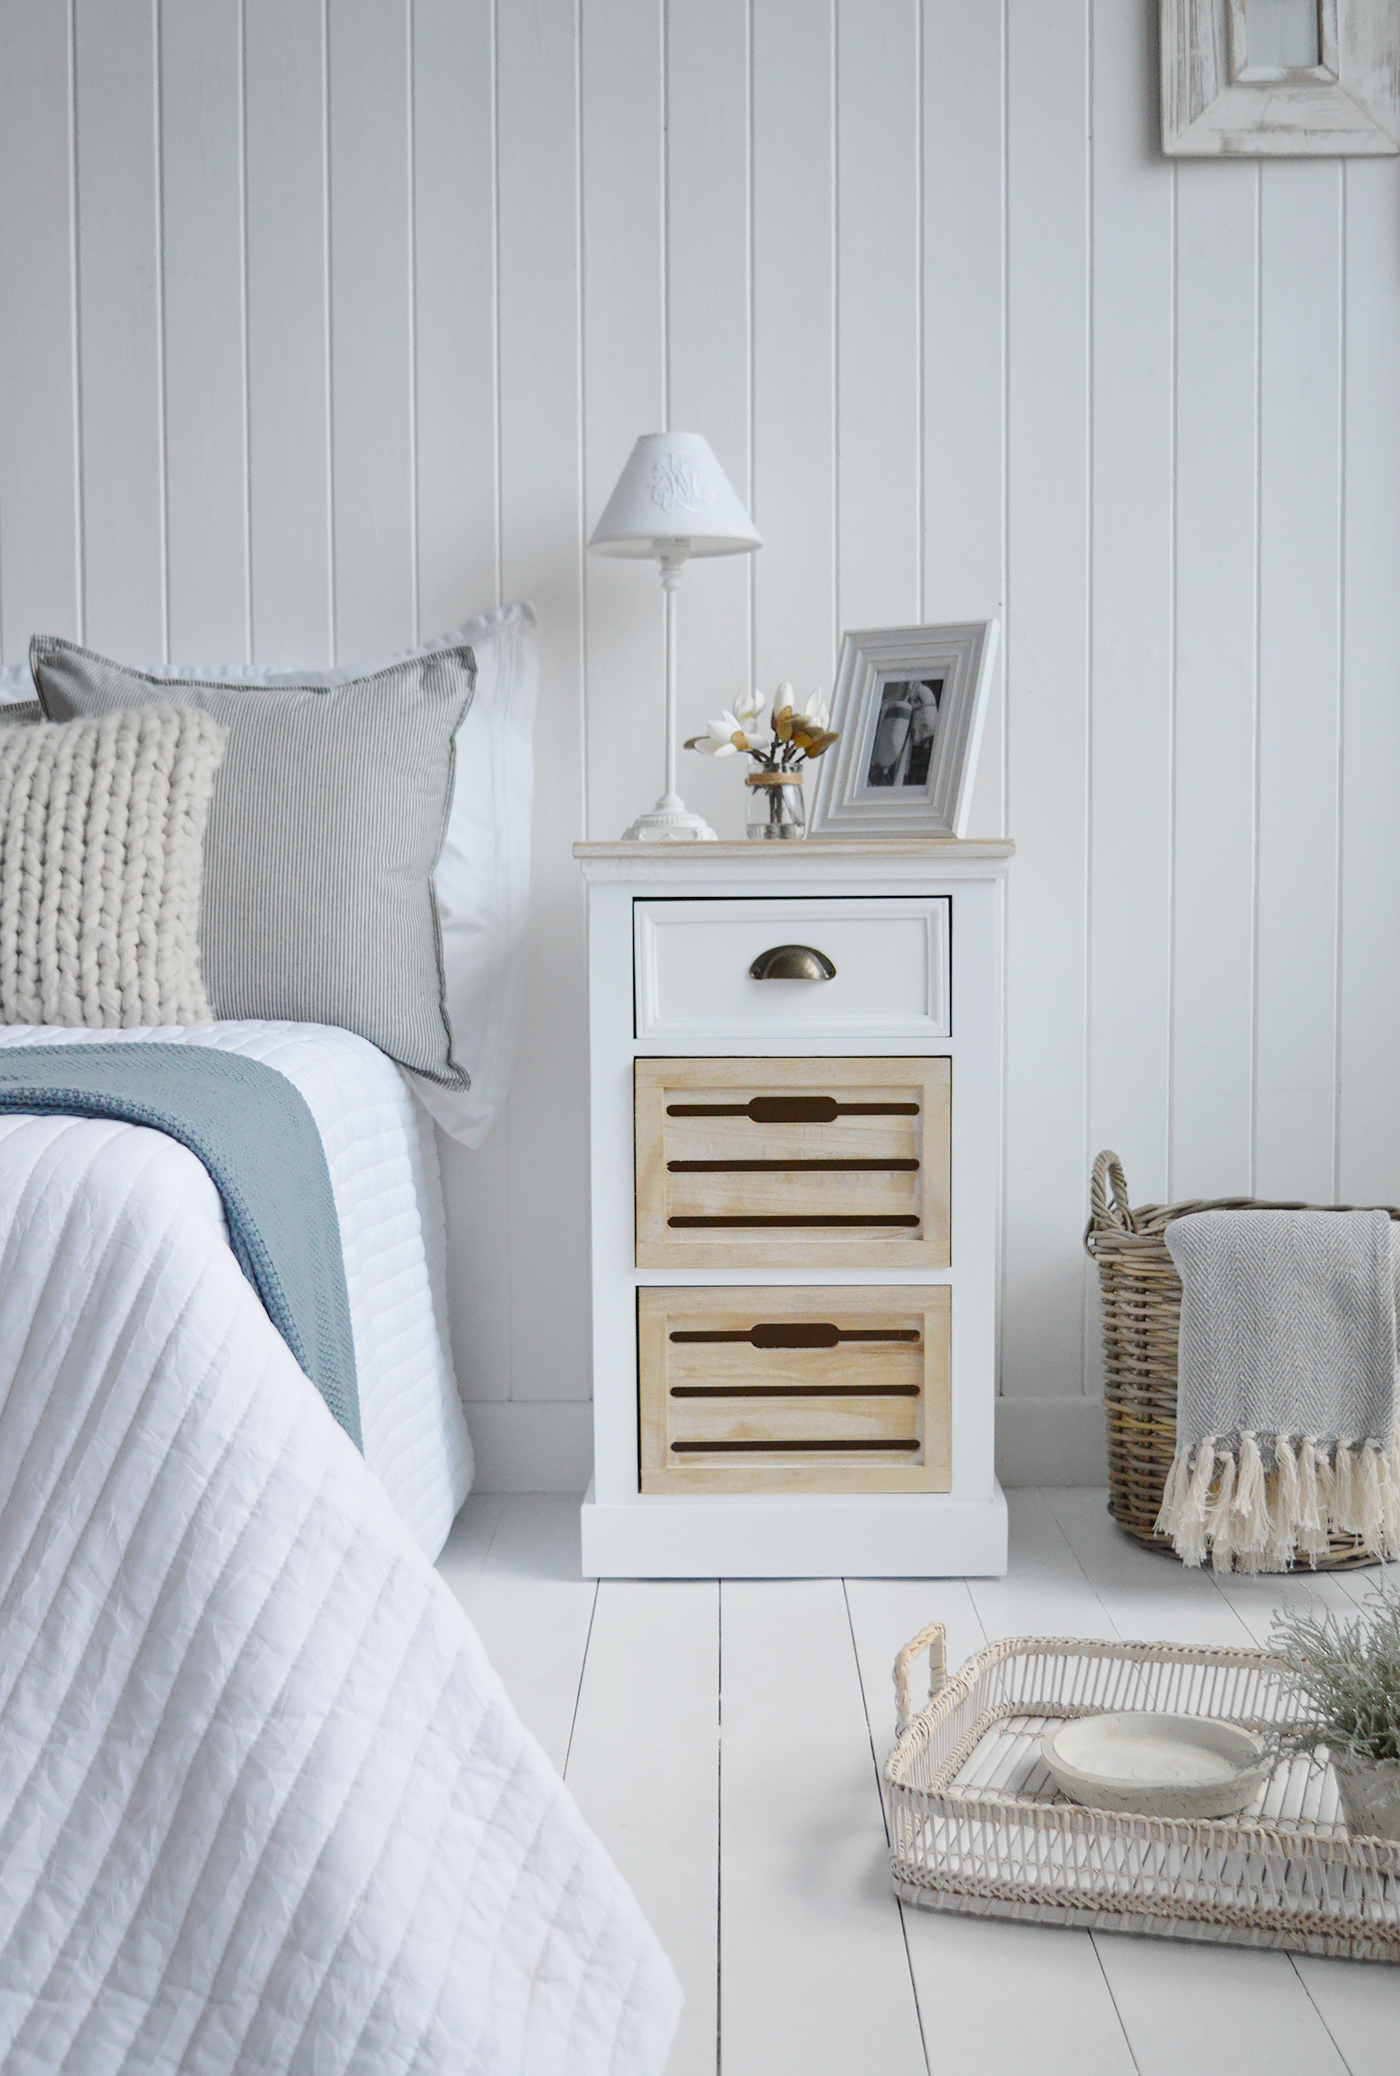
(1156, 1765)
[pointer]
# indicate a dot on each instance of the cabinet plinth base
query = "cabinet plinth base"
(932, 1536)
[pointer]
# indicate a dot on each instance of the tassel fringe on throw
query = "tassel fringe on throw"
(1257, 1502)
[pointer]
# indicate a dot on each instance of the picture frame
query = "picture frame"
(909, 707)
(1280, 78)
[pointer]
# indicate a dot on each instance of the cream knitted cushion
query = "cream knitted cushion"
(101, 859)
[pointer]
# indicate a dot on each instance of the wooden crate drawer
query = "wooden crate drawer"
(792, 1163)
(834, 1390)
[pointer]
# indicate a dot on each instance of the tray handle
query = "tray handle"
(1110, 1210)
(933, 1638)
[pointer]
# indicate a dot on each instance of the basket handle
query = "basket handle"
(933, 1638)
(1105, 1216)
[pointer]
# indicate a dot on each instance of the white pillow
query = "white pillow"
(482, 879)
(16, 685)
(483, 876)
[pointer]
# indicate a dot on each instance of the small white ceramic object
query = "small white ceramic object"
(1156, 1765)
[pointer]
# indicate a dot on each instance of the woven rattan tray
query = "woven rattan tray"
(977, 1825)
(1140, 1302)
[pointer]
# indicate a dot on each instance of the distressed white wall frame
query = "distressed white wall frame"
(1222, 98)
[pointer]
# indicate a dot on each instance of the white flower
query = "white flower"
(718, 740)
(747, 716)
(737, 729)
(727, 735)
(815, 711)
(742, 727)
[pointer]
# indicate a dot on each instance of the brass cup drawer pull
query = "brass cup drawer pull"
(792, 962)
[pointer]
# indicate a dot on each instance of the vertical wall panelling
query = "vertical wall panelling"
(119, 304)
(878, 380)
(328, 322)
(624, 394)
(708, 309)
(39, 517)
(962, 500)
(288, 332)
(1130, 742)
(1216, 551)
(1299, 676)
(375, 531)
(201, 79)
(1047, 675)
(456, 302)
(794, 344)
(454, 329)
(542, 553)
(1368, 1169)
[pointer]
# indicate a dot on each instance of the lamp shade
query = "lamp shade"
(672, 490)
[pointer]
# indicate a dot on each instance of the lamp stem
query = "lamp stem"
(670, 821)
(670, 584)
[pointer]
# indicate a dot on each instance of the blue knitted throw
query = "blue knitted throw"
(256, 1136)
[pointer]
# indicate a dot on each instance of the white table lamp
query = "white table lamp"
(672, 500)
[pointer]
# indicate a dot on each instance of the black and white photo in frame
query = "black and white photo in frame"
(909, 706)
(906, 728)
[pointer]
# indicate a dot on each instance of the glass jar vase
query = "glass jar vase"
(776, 808)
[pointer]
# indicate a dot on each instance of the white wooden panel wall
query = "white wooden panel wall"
(327, 322)
(1048, 310)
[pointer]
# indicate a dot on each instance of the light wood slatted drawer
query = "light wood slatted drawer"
(753, 1390)
(792, 1163)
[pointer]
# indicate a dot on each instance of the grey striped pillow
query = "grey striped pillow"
(326, 820)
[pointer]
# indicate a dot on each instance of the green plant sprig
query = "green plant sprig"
(1343, 1676)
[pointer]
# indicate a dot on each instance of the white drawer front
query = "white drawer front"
(694, 984)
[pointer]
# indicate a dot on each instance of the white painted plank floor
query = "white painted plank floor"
(725, 1742)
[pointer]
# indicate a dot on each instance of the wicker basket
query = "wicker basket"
(976, 1824)
(1141, 1303)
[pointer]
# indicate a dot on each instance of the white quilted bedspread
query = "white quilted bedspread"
(383, 1165)
(264, 1805)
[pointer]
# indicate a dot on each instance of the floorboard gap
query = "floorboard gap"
(582, 1674)
(1127, 2037)
(719, 1834)
(885, 1820)
(1045, 1493)
(1321, 2014)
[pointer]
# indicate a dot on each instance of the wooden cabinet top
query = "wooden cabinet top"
(816, 858)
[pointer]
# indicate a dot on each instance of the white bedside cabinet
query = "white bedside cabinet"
(795, 1059)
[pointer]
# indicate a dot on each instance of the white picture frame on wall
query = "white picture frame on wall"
(1280, 78)
(909, 707)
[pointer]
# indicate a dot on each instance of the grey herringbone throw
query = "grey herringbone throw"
(1285, 1424)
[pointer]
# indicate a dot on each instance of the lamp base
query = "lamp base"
(670, 821)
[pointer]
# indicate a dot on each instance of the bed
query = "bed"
(264, 1805)
(383, 1163)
